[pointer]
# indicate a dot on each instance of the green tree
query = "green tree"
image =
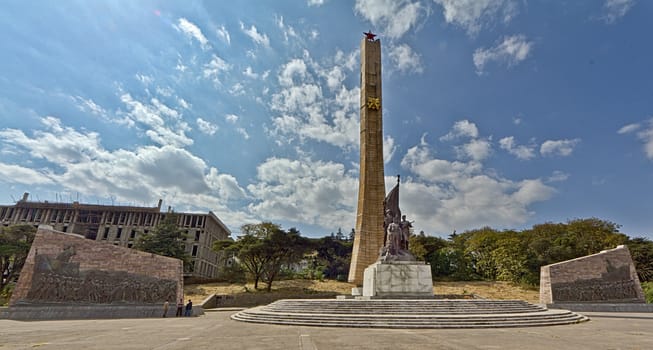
(249, 251)
(282, 248)
(165, 239)
(479, 246)
(264, 249)
(15, 243)
(333, 256)
(641, 250)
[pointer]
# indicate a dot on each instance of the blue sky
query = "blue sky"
(501, 113)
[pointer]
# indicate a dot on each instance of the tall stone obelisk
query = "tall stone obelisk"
(371, 189)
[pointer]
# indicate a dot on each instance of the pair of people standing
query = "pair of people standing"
(180, 308)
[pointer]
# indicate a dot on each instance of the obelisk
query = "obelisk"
(371, 188)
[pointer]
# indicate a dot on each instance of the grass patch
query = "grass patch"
(244, 294)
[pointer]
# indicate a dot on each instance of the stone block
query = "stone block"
(606, 277)
(66, 269)
(398, 279)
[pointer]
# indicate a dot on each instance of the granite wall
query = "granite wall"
(606, 277)
(67, 269)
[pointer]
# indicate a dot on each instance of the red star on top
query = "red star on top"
(369, 36)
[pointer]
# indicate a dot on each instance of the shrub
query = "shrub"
(648, 291)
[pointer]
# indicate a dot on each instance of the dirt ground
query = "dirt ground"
(246, 295)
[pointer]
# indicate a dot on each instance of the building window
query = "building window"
(130, 245)
(132, 235)
(65, 229)
(119, 233)
(197, 236)
(105, 235)
(194, 253)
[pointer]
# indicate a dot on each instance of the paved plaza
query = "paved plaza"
(215, 330)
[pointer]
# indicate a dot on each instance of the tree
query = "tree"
(641, 250)
(282, 248)
(165, 239)
(249, 251)
(15, 243)
(264, 249)
(333, 256)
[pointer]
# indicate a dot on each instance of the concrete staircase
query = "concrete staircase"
(389, 313)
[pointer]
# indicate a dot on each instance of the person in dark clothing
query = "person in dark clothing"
(180, 308)
(189, 308)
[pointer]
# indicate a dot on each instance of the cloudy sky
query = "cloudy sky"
(501, 113)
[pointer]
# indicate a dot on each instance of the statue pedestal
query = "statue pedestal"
(398, 279)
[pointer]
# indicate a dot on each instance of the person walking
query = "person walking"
(189, 308)
(166, 305)
(180, 308)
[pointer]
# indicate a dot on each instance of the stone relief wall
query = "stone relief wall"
(606, 277)
(65, 268)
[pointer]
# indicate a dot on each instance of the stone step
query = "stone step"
(407, 314)
(409, 307)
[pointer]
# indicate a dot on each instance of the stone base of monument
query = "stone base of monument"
(398, 279)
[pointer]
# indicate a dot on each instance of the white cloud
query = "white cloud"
(389, 148)
(27, 176)
(243, 133)
(396, 17)
(558, 147)
(253, 33)
(520, 151)
(334, 78)
(306, 191)
(149, 116)
(231, 118)
(145, 79)
(57, 144)
(193, 31)
(646, 135)
(303, 109)
(614, 10)
(180, 66)
(629, 128)
(558, 176)
(182, 103)
(77, 162)
(223, 34)
(237, 89)
(452, 195)
(511, 51)
(88, 105)
(248, 72)
(477, 149)
(462, 128)
(316, 2)
(206, 127)
(226, 185)
(406, 59)
(294, 68)
(472, 15)
(288, 31)
(215, 67)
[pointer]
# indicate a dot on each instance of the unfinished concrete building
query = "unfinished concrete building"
(121, 225)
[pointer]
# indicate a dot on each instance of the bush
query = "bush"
(5, 293)
(648, 291)
(233, 273)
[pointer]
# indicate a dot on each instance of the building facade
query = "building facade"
(122, 225)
